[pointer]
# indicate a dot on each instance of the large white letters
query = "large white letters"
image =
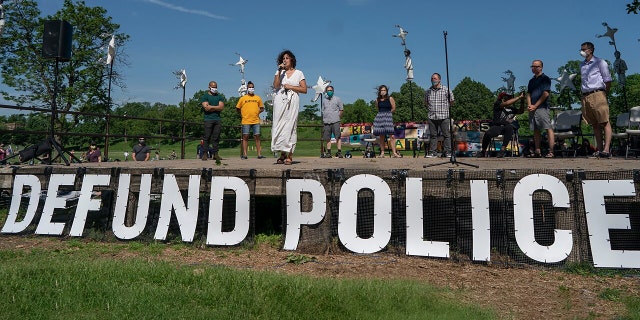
(53, 201)
(599, 223)
(295, 217)
(85, 203)
(187, 216)
(120, 229)
(215, 236)
(416, 246)
(523, 218)
(347, 220)
(20, 182)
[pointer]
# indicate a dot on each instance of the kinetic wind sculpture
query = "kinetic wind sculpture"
(610, 33)
(566, 80)
(182, 77)
(320, 88)
(182, 84)
(111, 50)
(402, 34)
(510, 82)
(242, 90)
(408, 63)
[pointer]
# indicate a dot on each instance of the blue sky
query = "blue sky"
(350, 41)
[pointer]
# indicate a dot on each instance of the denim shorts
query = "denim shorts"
(247, 128)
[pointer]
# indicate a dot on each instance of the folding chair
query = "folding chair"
(568, 126)
(619, 133)
(633, 131)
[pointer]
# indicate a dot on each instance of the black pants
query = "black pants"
(212, 129)
(495, 130)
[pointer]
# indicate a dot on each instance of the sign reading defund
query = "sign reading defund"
(598, 221)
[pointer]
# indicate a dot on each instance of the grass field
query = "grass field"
(81, 281)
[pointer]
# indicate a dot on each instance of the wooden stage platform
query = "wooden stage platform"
(270, 174)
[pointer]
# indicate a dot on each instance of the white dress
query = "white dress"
(286, 104)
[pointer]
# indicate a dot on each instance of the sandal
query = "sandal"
(288, 161)
(549, 155)
(534, 155)
(280, 160)
(397, 155)
(381, 155)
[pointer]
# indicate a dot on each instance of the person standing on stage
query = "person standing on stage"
(438, 99)
(595, 85)
(383, 122)
(250, 106)
(332, 109)
(212, 104)
(538, 91)
(288, 83)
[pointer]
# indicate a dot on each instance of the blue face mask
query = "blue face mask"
(434, 83)
(329, 94)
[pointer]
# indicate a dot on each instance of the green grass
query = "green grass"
(76, 283)
(303, 148)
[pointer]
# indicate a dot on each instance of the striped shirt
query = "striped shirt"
(436, 101)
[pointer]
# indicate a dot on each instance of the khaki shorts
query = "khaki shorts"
(595, 108)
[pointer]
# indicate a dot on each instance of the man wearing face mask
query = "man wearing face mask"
(332, 109)
(212, 104)
(141, 151)
(250, 106)
(595, 84)
(438, 99)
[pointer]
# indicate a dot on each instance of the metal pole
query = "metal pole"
(106, 137)
(184, 89)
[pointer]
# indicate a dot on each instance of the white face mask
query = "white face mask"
(213, 90)
(251, 90)
(583, 53)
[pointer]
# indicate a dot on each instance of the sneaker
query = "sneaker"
(339, 154)
(243, 157)
(431, 154)
(444, 154)
(500, 154)
(605, 155)
(481, 154)
(326, 155)
(261, 157)
(595, 155)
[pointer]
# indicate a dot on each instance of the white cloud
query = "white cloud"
(185, 10)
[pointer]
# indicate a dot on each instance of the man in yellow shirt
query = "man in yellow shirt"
(250, 106)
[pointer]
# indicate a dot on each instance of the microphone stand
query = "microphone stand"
(452, 158)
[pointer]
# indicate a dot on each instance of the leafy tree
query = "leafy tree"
(358, 112)
(617, 102)
(310, 113)
(82, 82)
(411, 96)
(473, 100)
(633, 7)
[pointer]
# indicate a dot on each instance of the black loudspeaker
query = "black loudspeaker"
(34, 151)
(56, 40)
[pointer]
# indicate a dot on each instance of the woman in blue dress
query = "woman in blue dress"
(383, 122)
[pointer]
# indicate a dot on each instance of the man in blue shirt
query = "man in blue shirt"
(538, 106)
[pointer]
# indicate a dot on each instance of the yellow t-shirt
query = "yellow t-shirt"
(250, 108)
